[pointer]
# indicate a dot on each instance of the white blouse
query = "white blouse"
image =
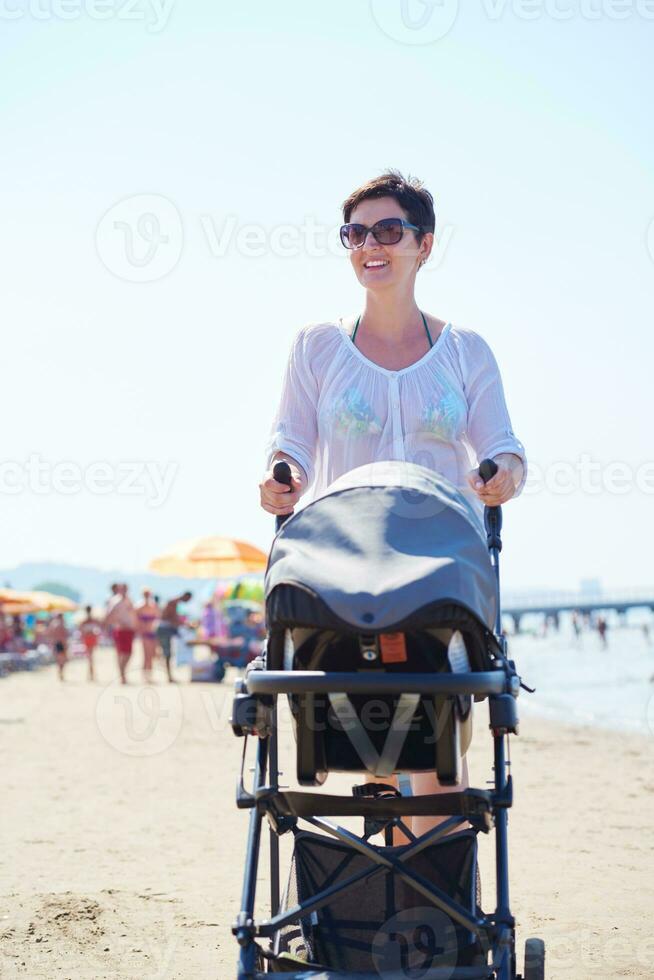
(339, 410)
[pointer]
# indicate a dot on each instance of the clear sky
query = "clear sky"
(169, 176)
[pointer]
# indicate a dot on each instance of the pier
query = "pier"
(552, 604)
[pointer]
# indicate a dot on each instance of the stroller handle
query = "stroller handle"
(282, 473)
(492, 515)
(487, 469)
(376, 682)
(493, 525)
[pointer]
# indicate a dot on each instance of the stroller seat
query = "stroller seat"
(388, 578)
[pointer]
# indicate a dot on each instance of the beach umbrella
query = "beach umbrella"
(16, 603)
(211, 557)
(48, 602)
(12, 595)
(16, 608)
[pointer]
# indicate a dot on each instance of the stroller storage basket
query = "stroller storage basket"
(371, 926)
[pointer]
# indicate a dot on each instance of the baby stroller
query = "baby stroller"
(383, 622)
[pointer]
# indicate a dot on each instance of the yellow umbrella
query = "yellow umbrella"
(14, 602)
(14, 608)
(13, 595)
(210, 557)
(48, 602)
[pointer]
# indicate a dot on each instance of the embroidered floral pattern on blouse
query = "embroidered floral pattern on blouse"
(442, 418)
(352, 415)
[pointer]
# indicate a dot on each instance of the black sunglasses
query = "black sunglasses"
(388, 231)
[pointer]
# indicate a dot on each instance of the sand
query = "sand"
(121, 847)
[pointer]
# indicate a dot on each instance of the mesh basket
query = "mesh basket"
(380, 923)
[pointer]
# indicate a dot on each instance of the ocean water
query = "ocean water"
(581, 683)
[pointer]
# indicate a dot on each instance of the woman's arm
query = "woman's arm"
(503, 485)
(489, 429)
(294, 432)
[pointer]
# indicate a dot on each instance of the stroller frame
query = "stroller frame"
(255, 713)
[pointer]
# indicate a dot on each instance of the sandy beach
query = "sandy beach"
(122, 848)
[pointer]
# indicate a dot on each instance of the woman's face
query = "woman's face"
(383, 266)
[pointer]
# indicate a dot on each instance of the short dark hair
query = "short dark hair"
(409, 193)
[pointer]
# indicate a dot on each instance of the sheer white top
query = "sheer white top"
(339, 410)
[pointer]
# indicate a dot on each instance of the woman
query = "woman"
(90, 630)
(394, 382)
(57, 636)
(148, 615)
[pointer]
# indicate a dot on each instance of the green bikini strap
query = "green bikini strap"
(424, 320)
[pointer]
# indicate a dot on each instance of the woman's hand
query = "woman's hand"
(277, 498)
(503, 485)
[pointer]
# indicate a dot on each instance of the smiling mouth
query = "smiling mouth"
(375, 264)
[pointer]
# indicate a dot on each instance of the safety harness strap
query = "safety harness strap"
(379, 765)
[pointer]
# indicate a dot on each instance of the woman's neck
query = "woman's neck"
(390, 317)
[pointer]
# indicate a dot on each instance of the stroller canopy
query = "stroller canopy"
(384, 542)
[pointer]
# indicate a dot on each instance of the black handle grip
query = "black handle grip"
(492, 515)
(282, 473)
(487, 469)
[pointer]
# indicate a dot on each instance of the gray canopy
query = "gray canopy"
(384, 541)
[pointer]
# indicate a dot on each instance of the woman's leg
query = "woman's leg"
(423, 783)
(427, 784)
(148, 656)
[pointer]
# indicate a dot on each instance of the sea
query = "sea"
(582, 682)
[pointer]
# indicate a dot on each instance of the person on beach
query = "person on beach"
(90, 630)
(113, 598)
(213, 625)
(393, 382)
(114, 590)
(57, 635)
(121, 619)
(148, 615)
(168, 627)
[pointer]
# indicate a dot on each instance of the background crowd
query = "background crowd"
(142, 633)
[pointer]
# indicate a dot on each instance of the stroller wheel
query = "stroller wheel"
(534, 959)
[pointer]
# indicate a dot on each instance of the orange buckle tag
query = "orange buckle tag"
(393, 648)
